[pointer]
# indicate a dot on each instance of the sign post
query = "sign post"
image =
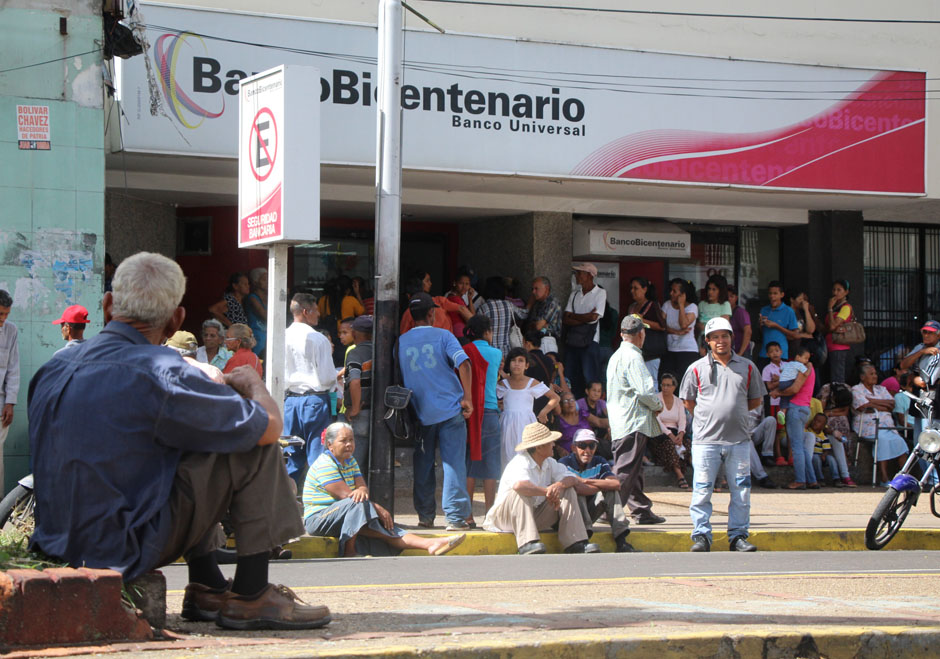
(278, 185)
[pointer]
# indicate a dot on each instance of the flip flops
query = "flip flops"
(683, 484)
(452, 541)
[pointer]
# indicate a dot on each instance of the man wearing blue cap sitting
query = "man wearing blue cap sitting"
(599, 489)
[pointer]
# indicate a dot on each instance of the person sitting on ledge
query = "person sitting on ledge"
(534, 493)
(137, 456)
(336, 504)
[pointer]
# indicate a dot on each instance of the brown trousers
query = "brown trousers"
(253, 486)
(628, 467)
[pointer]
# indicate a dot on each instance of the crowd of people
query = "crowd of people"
(515, 397)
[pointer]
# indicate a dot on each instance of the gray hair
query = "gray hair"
(148, 288)
(212, 322)
(334, 429)
(244, 335)
(5, 299)
(256, 274)
(301, 302)
(544, 280)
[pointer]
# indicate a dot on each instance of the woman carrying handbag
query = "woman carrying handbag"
(645, 305)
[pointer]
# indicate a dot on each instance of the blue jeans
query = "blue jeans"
(818, 466)
(797, 417)
(305, 416)
(489, 465)
(450, 437)
(707, 461)
(582, 365)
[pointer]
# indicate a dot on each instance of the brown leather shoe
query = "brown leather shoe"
(202, 604)
(275, 607)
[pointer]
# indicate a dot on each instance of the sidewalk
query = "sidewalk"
(827, 519)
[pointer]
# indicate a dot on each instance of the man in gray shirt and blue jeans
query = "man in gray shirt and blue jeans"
(719, 390)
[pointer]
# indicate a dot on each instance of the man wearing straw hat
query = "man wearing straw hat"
(534, 493)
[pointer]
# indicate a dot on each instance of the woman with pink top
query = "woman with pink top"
(673, 449)
(797, 417)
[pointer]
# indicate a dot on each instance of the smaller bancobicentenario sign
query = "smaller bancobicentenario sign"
(278, 157)
(33, 130)
(637, 243)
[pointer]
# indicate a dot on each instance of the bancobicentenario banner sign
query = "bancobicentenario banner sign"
(481, 104)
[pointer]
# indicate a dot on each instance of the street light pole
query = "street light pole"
(387, 243)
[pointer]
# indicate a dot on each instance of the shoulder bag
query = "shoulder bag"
(850, 332)
(654, 346)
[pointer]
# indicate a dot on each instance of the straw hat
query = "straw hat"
(535, 434)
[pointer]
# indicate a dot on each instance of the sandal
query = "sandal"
(452, 542)
(683, 484)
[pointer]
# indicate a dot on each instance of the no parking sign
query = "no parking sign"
(279, 157)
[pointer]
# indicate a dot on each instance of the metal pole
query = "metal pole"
(277, 322)
(387, 243)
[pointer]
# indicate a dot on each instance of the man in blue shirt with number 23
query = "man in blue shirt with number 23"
(441, 398)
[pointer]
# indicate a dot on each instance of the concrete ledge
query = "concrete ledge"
(482, 543)
(855, 642)
(61, 605)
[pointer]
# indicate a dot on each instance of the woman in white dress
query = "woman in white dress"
(518, 392)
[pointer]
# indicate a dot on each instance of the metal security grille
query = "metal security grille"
(902, 286)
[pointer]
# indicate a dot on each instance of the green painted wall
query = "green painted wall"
(51, 202)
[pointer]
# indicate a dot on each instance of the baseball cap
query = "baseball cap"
(632, 324)
(182, 341)
(362, 324)
(584, 435)
(74, 314)
(716, 324)
(421, 301)
(585, 267)
(931, 326)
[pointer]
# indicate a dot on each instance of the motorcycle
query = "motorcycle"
(905, 489)
(17, 510)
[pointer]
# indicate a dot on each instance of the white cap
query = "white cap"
(716, 324)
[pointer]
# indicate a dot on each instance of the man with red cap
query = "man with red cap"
(73, 321)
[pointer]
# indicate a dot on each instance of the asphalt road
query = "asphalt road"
(415, 570)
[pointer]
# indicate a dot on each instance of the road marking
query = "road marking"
(559, 582)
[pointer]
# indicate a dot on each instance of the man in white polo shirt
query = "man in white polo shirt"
(582, 330)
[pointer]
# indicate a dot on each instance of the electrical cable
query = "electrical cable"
(50, 61)
(690, 14)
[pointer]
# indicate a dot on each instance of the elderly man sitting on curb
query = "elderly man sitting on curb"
(159, 453)
(599, 489)
(534, 493)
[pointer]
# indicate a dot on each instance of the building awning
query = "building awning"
(638, 238)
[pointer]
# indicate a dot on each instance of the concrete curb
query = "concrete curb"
(64, 605)
(483, 543)
(835, 642)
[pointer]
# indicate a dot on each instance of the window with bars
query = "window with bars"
(902, 285)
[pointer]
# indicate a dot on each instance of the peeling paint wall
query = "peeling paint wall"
(51, 202)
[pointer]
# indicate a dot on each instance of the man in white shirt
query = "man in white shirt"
(534, 493)
(582, 337)
(9, 372)
(309, 375)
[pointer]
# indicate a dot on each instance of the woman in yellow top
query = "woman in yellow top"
(338, 300)
(840, 311)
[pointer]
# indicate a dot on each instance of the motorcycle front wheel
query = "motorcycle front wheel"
(17, 510)
(888, 517)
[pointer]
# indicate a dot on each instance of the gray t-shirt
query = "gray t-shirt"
(721, 394)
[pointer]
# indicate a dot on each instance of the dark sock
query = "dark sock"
(205, 570)
(251, 574)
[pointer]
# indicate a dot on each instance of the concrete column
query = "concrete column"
(522, 247)
(833, 244)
